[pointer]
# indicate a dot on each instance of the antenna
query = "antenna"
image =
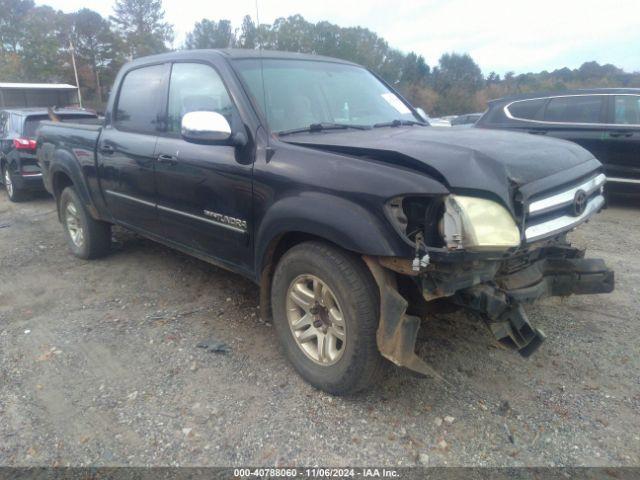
(75, 70)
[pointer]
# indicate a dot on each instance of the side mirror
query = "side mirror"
(205, 127)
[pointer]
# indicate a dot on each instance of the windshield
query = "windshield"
(300, 93)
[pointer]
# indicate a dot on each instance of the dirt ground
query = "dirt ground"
(99, 365)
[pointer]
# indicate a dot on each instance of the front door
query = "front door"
(126, 150)
(204, 191)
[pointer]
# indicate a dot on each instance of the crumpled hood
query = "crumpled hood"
(463, 159)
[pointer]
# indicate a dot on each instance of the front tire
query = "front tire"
(86, 237)
(325, 312)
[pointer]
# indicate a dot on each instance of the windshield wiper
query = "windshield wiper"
(318, 127)
(399, 123)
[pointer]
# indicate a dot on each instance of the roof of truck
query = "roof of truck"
(241, 53)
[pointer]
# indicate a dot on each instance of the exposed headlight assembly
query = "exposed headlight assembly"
(478, 224)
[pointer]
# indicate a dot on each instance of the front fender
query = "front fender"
(336, 219)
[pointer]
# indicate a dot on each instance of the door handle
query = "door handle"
(170, 159)
(538, 132)
(620, 134)
(107, 149)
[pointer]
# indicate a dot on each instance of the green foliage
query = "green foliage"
(141, 25)
(98, 47)
(34, 47)
(39, 47)
(12, 23)
(211, 34)
(248, 34)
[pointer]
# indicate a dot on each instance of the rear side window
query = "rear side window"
(15, 124)
(578, 109)
(196, 87)
(528, 109)
(627, 110)
(138, 101)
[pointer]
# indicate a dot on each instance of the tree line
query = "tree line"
(36, 43)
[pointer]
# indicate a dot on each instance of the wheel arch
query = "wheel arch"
(290, 222)
(65, 172)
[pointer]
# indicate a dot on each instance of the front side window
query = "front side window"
(627, 110)
(138, 102)
(196, 87)
(298, 93)
(577, 109)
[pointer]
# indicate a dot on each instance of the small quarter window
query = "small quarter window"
(577, 109)
(528, 109)
(627, 110)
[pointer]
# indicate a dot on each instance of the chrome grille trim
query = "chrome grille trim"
(564, 222)
(565, 198)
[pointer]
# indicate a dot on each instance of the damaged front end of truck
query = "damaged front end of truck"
(477, 255)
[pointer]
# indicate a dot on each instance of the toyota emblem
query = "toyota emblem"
(579, 203)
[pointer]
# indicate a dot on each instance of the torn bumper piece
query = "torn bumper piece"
(397, 331)
(558, 277)
(498, 301)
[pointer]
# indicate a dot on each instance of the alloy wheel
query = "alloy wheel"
(8, 184)
(316, 320)
(74, 224)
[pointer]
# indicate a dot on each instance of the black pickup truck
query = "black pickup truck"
(316, 180)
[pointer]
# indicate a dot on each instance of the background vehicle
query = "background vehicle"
(18, 162)
(316, 180)
(604, 121)
(466, 119)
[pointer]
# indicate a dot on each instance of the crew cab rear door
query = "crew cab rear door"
(577, 118)
(126, 148)
(623, 139)
(204, 191)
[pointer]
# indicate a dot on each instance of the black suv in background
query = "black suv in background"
(18, 162)
(604, 121)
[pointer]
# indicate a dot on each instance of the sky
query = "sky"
(501, 36)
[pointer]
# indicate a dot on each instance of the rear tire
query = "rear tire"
(13, 193)
(325, 312)
(87, 238)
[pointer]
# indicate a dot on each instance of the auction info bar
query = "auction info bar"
(205, 473)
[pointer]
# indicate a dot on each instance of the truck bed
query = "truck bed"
(75, 143)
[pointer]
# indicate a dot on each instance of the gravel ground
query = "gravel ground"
(99, 365)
